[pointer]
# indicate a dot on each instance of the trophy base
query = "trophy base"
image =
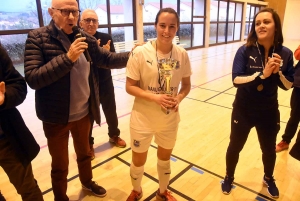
(166, 111)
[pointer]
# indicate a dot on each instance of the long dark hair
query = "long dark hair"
(278, 37)
(167, 10)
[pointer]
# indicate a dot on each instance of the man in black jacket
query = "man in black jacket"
(17, 145)
(89, 23)
(67, 92)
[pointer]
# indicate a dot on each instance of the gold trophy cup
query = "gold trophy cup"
(165, 69)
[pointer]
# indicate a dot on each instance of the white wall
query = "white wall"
(291, 23)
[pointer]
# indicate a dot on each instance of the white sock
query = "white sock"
(164, 173)
(136, 174)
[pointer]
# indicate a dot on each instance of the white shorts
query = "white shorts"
(140, 140)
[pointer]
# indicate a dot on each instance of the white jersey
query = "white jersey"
(142, 67)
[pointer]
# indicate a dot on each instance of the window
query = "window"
(45, 4)
(15, 46)
(16, 15)
(250, 13)
(116, 17)
(17, 18)
(191, 13)
(225, 22)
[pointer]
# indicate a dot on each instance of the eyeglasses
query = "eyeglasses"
(66, 12)
(89, 20)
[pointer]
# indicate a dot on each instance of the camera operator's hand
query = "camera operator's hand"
(77, 48)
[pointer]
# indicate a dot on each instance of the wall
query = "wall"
(279, 6)
(291, 25)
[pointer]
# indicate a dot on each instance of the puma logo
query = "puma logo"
(254, 59)
(150, 62)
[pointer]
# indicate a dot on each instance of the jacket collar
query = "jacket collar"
(53, 30)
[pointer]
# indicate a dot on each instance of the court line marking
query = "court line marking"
(214, 174)
(119, 117)
(190, 165)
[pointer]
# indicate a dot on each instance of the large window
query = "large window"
(250, 13)
(234, 22)
(15, 47)
(17, 18)
(116, 17)
(192, 15)
(16, 15)
(225, 21)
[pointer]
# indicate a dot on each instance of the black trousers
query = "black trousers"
(108, 103)
(21, 177)
(267, 126)
(295, 151)
(294, 119)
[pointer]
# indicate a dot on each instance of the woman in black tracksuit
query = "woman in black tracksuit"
(259, 67)
(295, 114)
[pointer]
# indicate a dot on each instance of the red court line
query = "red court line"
(119, 117)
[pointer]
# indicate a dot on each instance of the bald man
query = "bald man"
(89, 23)
(67, 91)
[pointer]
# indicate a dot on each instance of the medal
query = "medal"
(260, 87)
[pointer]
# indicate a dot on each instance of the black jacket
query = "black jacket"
(11, 121)
(104, 74)
(247, 62)
(47, 70)
(297, 75)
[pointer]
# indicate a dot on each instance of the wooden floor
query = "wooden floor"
(198, 161)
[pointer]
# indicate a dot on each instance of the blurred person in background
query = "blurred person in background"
(17, 144)
(295, 105)
(89, 23)
(292, 124)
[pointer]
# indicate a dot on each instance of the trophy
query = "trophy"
(165, 70)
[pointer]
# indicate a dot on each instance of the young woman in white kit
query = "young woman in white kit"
(146, 83)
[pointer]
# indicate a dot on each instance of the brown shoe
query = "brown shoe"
(283, 145)
(92, 152)
(119, 142)
(95, 189)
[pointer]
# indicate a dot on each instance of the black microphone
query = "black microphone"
(79, 35)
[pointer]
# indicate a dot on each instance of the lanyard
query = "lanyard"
(156, 51)
(160, 77)
(262, 63)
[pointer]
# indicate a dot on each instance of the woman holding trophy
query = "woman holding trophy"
(158, 75)
(260, 66)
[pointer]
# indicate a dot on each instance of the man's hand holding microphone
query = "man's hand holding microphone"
(78, 47)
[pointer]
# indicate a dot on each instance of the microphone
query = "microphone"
(79, 35)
